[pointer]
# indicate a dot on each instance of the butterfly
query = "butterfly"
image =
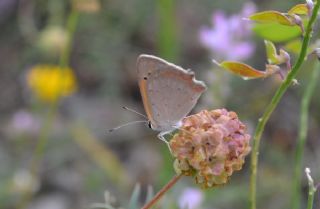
(168, 92)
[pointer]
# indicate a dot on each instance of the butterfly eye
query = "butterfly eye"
(149, 124)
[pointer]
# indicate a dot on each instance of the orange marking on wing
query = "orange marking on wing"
(146, 104)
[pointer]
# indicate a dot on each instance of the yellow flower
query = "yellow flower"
(49, 82)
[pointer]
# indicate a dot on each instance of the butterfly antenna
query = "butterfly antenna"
(132, 110)
(126, 124)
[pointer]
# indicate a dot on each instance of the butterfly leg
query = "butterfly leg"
(161, 137)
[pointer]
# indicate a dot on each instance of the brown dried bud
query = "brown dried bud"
(210, 146)
(87, 6)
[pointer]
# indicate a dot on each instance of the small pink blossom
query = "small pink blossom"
(228, 38)
(210, 146)
(190, 199)
(24, 122)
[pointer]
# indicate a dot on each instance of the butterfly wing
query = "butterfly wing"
(168, 91)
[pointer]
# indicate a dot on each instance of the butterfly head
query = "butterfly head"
(165, 127)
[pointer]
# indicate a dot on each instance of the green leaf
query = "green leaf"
(150, 194)
(294, 46)
(241, 69)
(299, 9)
(101, 206)
(271, 52)
(134, 200)
(275, 32)
(271, 17)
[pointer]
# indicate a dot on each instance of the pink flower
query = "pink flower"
(228, 38)
(190, 199)
(24, 122)
(210, 146)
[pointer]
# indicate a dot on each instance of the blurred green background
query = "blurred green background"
(59, 154)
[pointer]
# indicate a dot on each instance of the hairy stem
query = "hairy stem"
(157, 197)
(273, 104)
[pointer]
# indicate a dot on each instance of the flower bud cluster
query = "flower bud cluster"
(210, 146)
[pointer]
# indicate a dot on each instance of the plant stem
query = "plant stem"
(42, 141)
(157, 197)
(53, 108)
(167, 35)
(312, 189)
(310, 198)
(100, 154)
(303, 128)
(273, 104)
(71, 28)
(39, 151)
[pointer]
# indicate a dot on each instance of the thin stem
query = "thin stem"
(303, 128)
(50, 117)
(167, 34)
(310, 198)
(157, 197)
(273, 104)
(39, 151)
(40, 147)
(312, 189)
(71, 27)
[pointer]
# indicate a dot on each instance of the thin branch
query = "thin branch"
(273, 104)
(157, 197)
(303, 129)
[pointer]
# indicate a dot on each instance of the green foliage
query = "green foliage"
(271, 52)
(167, 34)
(271, 17)
(294, 46)
(284, 32)
(134, 200)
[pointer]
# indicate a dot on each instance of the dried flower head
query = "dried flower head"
(88, 6)
(53, 40)
(210, 146)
